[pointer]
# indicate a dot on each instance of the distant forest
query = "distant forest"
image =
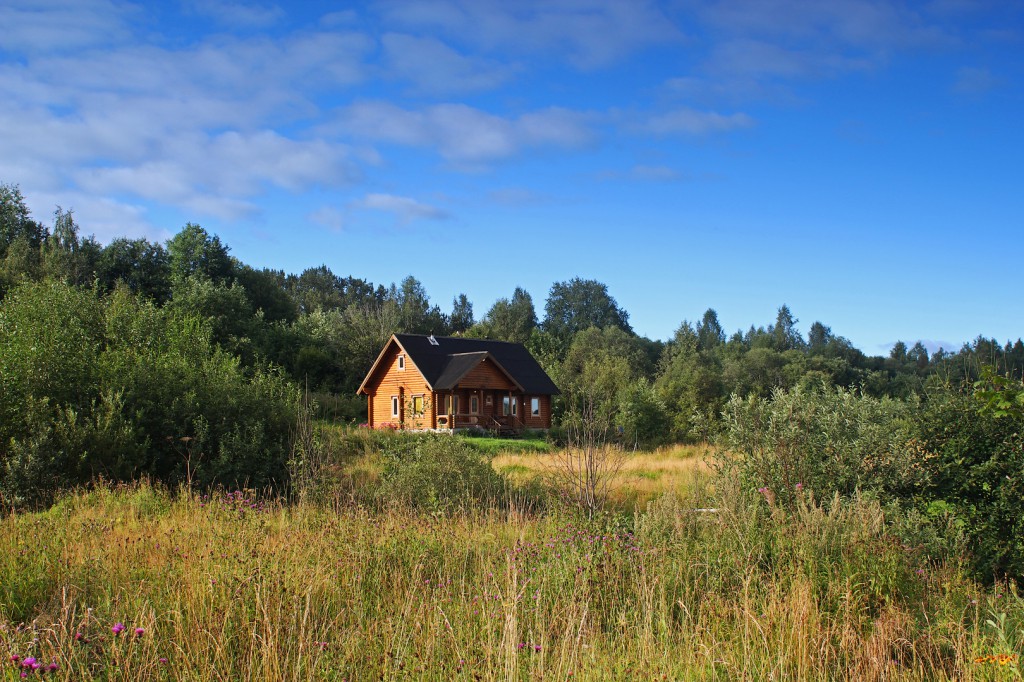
(321, 330)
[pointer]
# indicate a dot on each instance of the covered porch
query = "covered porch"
(498, 410)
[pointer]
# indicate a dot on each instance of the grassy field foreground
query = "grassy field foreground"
(137, 584)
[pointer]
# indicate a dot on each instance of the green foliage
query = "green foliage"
(509, 319)
(579, 304)
(119, 388)
(440, 473)
(642, 418)
(194, 252)
(827, 440)
(999, 396)
(973, 454)
(143, 266)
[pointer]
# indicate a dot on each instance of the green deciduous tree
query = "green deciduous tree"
(579, 304)
(194, 252)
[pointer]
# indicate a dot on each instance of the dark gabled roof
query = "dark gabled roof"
(459, 365)
(444, 364)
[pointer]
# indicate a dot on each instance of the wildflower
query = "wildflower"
(799, 487)
(163, 661)
(15, 658)
(139, 632)
(29, 662)
(53, 667)
(118, 628)
(79, 636)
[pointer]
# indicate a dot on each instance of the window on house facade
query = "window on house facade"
(394, 406)
(505, 400)
(515, 406)
(417, 405)
(535, 407)
(401, 363)
(474, 404)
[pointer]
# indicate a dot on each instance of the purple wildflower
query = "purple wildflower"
(118, 628)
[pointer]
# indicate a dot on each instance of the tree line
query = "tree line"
(323, 330)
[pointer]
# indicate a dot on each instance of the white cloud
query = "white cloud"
(430, 66)
(692, 122)
(237, 14)
(589, 33)
(404, 209)
(329, 217)
(43, 26)
(217, 175)
(461, 133)
(974, 81)
(760, 47)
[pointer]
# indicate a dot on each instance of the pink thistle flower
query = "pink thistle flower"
(799, 487)
(28, 662)
(139, 632)
(163, 660)
(118, 628)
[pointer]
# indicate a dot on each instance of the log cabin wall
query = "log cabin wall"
(404, 384)
(486, 375)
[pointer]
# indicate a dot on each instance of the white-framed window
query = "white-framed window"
(474, 404)
(394, 406)
(535, 406)
(515, 406)
(401, 363)
(505, 400)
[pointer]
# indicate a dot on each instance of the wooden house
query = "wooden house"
(448, 383)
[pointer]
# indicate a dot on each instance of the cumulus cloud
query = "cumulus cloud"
(62, 25)
(237, 14)
(430, 66)
(973, 81)
(461, 133)
(216, 175)
(588, 33)
(692, 122)
(328, 216)
(404, 209)
(763, 46)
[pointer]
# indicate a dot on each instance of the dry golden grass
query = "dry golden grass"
(642, 476)
(231, 588)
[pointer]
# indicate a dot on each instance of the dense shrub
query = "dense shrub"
(118, 388)
(974, 458)
(829, 440)
(439, 473)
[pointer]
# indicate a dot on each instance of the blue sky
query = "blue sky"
(860, 161)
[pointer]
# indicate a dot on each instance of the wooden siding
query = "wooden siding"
(486, 375)
(390, 381)
(540, 422)
(484, 380)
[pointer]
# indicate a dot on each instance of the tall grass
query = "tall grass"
(234, 588)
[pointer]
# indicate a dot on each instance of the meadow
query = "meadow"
(135, 582)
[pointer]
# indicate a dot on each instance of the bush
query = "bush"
(974, 459)
(119, 388)
(439, 473)
(829, 440)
